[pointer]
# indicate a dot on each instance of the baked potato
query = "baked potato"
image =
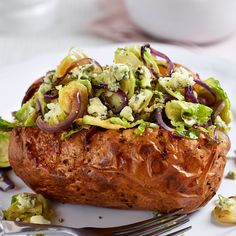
(151, 171)
(143, 133)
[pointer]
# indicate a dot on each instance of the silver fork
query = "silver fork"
(154, 226)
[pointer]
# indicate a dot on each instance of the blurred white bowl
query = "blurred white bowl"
(194, 21)
(27, 16)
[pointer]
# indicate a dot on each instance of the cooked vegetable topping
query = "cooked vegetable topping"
(97, 109)
(126, 113)
(178, 81)
(225, 210)
(148, 55)
(4, 140)
(186, 114)
(142, 88)
(5, 182)
(231, 175)
(29, 208)
(5, 125)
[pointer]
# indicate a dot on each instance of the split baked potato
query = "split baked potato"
(144, 133)
(152, 171)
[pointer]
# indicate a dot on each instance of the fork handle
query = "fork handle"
(13, 227)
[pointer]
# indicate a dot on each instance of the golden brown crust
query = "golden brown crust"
(120, 170)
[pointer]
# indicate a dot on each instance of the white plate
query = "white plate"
(16, 78)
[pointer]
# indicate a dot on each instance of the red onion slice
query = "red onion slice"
(162, 55)
(160, 122)
(219, 108)
(5, 183)
(189, 95)
(101, 85)
(39, 106)
(13, 113)
(150, 67)
(156, 75)
(31, 90)
(107, 100)
(208, 123)
(156, 53)
(81, 62)
(221, 135)
(87, 138)
(75, 113)
(51, 94)
(175, 136)
(116, 102)
(205, 86)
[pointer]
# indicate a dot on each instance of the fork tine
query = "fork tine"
(164, 228)
(139, 225)
(154, 227)
(180, 231)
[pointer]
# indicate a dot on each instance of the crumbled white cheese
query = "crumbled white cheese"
(226, 204)
(220, 123)
(96, 108)
(139, 101)
(184, 77)
(119, 71)
(180, 79)
(25, 201)
(113, 75)
(54, 113)
(126, 112)
(39, 220)
(136, 101)
(83, 71)
(145, 76)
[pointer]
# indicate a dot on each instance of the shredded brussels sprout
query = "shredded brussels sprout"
(124, 95)
(28, 208)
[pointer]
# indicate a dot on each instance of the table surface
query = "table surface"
(72, 30)
(74, 18)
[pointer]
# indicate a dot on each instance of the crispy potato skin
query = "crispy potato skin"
(120, 170)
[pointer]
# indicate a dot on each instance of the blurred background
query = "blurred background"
(29, 28)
